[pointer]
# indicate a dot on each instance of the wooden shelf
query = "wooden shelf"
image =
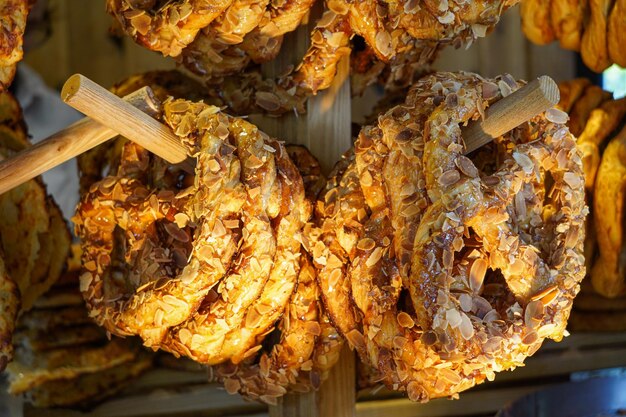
(164, 392)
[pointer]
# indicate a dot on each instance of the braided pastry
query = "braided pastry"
(594, 48)
(607, 274)
(536, 21)
(211, 267)
(570, 91)
(169, 27)
(217, 39)
(616, 33)
(591, 98)
(249, 31)
(602, 121)
(441, 270)
(308, 347)
(567, 22)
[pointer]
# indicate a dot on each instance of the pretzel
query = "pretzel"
(168, 28)
(308, 348)
(456, 270)
(251, 298)
(400, 37)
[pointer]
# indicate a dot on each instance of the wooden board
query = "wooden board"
(325, 130)
(164, 392)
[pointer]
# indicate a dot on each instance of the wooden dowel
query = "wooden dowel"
(508, 113)
(100, 104)
(66, 144)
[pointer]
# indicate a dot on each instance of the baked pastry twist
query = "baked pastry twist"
(608, 271)
(440, 269)
(567, 22)
(595, 28)
(536, 22)
(209, 267)
(217, 39)
(616, 35)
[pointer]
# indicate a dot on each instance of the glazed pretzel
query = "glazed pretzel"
(456, 271)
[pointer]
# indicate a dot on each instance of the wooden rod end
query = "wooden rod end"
(550, 89)
(71, 86)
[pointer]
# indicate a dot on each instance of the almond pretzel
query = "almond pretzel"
(218, 39)
(308, 348)
(208, 267)
(455, 272)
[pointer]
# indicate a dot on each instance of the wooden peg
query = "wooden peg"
(105, 107)
(511, 111)
(66, 144)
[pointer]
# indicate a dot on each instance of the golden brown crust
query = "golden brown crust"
(617, 33)
(308, 347)
(29, 371)
(567, 22)
(34, 239)
(591, 98)
(608, 271)
(38, 340)
(87, 389)
(63, 358)
(536, 21)
(242, 217)
(570, 91)
(10, 302)
(594, 49)
(13, 15)
(601, 123)
(434, 319)
(403, 36)
(309, 168)
(237, 227)
(167, 29)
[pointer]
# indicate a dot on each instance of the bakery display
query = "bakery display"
(447, 245)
